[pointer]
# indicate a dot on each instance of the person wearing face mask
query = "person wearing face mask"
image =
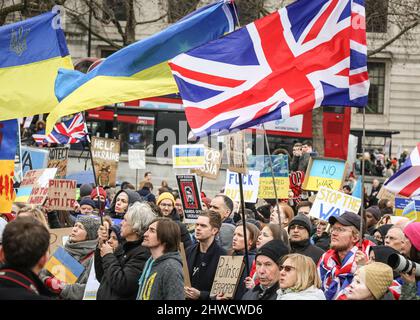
(81, 246)
(122, 200)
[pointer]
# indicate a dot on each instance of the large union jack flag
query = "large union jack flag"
(308, 54)
(71, 131)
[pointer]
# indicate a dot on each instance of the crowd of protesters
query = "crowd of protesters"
(291, 255)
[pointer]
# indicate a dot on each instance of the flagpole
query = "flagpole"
(241, 192)
(362, 213)
(272, 173)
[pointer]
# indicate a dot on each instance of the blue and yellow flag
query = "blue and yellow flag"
(140, 70)
(64, 267)
(31, 52)
(8, 144)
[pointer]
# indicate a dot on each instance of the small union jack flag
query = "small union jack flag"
(309, 54)
(71, 131)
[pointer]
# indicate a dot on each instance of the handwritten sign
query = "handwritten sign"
(7, 193)
(386, 194)
(329, 203)
(228, 273)
(236, 152)
(211, 167)
(58, 158)
(190, 196)
(250, 183)
(34, 179)
(62, 194)
(188, 156)
(56, 237)
(105, 155)
(136, 159)
(324, 172)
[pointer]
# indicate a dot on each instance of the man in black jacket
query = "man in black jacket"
(25, 249)
(299, 231)
(203, 257)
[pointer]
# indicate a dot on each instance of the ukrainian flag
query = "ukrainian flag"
(140, 70)
(410, 211)
(64, 267)
(31, 52)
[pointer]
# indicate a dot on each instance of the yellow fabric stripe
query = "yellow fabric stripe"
(103, 90)
(7, 168)
(29, 89)
(58, 270)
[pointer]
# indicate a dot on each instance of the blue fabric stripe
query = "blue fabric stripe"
(178, 38)
(8, 139)
(357, 60)
(68, 261)
(42, 41)
(407, 165)
(194, 93)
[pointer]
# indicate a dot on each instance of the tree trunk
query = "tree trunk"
(318, 131)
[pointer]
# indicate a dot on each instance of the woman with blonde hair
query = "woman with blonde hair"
(299, 279)
(34, 212)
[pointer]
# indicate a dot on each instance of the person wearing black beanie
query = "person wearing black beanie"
(267, 271)
(299, 232)
(381, 232)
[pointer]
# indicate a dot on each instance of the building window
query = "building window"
(377, 88)
(105, 53)
(118, 7)
(376, 16)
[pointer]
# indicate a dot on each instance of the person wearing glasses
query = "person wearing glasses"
(338, 265)
(298, 279)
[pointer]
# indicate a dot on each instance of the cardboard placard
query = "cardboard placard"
(188, 156)
(185, 271)
(213, 160)
(330, 203)
(228, 273)
(281, 175)
(324, 172)
(250, 183)
(237, 161)
(190, 196)
(34, 179)
(92, 285)
(58, 158)
(137, 159)
(56, 237)
(38, 195)
(106, 155)
(62, 194)
(386, 194)
(7, 194)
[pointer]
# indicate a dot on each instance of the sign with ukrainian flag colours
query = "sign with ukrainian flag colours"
(188, 156)
(64, 267)
(324, 172)
(407, 207)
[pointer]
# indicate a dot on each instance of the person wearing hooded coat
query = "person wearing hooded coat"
(122, 200)
(81, 246)
(381, 232)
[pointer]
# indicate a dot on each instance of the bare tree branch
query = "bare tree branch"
(154, 20)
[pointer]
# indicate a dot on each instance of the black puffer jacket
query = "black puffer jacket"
(323, 241)
(305, 248)
(133, 196)
(119, 273)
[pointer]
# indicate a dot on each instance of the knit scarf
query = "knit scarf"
(144, 277)
(336, 275)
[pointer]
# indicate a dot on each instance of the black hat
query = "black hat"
(301, 220)
(375, 211)
(347, 219)
(274, 249)
(89, 202)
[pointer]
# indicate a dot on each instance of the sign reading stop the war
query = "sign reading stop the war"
(62, 194)
(211, 167)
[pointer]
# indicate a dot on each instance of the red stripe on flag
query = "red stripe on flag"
(358, 32)
(215, 80)
(320, 22)
(359, 77)
(408, 190)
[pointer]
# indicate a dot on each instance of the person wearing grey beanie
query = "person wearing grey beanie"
(81, 246)
(299, 235)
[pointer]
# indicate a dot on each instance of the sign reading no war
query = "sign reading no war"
(329, 203)
(250, 183)
(324, 172)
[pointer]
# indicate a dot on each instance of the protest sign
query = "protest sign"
(56, 237)
(92, 285)
(38, 195)
(281, 175)
(136, 159)
(33, 158)
(58, 158)
(386, 194)
(62, 194)
(324, 172)
(64, 267)
(407, 207)
(185, 271)
(105, 155)
(34, 178)
(330, 203)
(236, 154)
(211, 167)
(7, 193)
(250, 183)
(188, 156)
(190, 196)
(296, 179)
(228, 273)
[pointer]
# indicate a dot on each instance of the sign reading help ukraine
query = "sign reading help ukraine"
(330, 203)
(250, 183)
(188, 156)
(324, 172)
(281, 175)
(64, 267)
